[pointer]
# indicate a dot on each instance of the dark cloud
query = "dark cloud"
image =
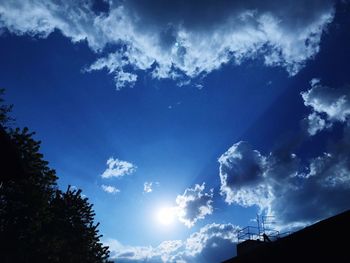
(217, 250)
(323, 190)
(241, 165)
(207, 14)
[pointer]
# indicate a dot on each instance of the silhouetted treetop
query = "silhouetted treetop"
(39, 222)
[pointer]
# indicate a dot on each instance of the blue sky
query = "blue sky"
(211, 117)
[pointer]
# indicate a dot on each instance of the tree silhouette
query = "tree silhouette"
(4, 110)
(39, 222)
(76, 235)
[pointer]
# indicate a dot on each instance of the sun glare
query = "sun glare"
(166, 216)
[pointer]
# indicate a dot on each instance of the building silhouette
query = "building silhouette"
(325, 241)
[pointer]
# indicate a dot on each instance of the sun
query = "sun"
(166, 216)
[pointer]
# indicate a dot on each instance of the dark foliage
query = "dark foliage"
(39, 222)
(4, 110)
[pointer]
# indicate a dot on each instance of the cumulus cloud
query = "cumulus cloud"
(194, 204)
(212, 243)
(280, 185)
(315, 123)
(328, 105)
(110, 189)
(162, 253)
(118, 168)
(179, 39)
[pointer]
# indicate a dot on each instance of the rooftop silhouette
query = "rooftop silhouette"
(325, 241)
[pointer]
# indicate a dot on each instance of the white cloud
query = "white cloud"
(115, 64)
(296, 192)
(315, 123)
(74, 19)
(212, 243)
(328, 105)
(280, 185)
(147, 187)
(167, 40)
(118, 168)
(194, 204)
(110, 189)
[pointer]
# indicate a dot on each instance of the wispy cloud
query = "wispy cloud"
(118, 168)
(169, 41)
(148, 186)
(110, 189)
